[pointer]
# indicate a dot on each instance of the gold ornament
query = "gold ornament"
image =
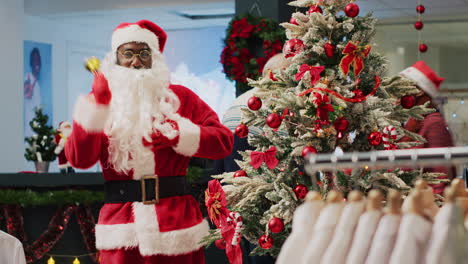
(92, 64)
(51, 260)
(76, 261)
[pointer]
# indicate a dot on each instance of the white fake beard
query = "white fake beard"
(66, 132)
(141, 101)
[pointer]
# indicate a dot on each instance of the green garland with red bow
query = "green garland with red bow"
(239, 63)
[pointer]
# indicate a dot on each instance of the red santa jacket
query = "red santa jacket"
(175, 225)
(435, 130)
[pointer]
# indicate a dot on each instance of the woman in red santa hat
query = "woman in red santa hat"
(433, 127)
(144, 130)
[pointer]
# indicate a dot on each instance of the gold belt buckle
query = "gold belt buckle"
(156, 189)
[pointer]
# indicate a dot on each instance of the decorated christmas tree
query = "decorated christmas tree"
(40, 145)
(332, 98)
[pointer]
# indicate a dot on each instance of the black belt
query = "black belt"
(154, 187)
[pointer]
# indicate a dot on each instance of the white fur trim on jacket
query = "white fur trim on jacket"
(92, 117)
(421, 80)
(134, 33)
(145, 234)
(189, 137)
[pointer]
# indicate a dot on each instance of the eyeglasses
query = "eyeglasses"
(145, 55)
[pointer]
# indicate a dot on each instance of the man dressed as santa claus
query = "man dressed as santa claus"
(144, 130)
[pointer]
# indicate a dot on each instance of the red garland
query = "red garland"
(56, 228)
(351, 100)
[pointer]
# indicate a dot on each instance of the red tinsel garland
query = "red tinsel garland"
(56, 228)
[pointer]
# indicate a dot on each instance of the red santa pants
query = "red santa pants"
(133, 256)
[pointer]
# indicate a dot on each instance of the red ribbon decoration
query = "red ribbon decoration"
(269, 157)
(323, 106)
(215, 202)
(354, 56)
(351, 100)
(315, 72)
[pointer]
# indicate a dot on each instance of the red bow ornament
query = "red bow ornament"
(323, 106)
(269, 157)
(315, 72)
(215, 202)
(354, 57)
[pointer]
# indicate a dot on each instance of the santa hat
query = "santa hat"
(64, 124)
(425, 78)
(141, 31)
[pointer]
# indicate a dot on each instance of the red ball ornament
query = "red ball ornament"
(341, 124)
(293, 21)
(420, 9)
(240, 173)
(254, 103)
(308, 150)
(423, 48)
(293, 47)
(241, 131)
(220, 243)
(276, 225)
(273, 120)
(375, 138)
(408, 101)
(301, 191)
(265, 241)
(352, 10)
(418, 25)
(314, 9)
(329, 50)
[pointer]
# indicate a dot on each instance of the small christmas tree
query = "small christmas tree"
(332, 98)
(41, 144)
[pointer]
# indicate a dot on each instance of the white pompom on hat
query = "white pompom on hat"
(426, 78)
(143, 31)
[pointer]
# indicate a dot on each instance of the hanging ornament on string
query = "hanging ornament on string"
(301, 191)
(274, 120)
(351, 10)
(293, 21)
(265, 241)
(419, 25)
(293, 47)
(341, 125)
(254, 103)
(276, 225)
(242, 131)
(423, 48)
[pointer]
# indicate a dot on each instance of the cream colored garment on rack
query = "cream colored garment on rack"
(303, 224)
(384, 239)
(323, 233)
(413, 237)
(368, 223)
(338, 250)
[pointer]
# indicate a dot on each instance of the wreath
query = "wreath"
(243, 32)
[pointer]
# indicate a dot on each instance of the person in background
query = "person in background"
(231, 119)
(61, 136)
(32, 90)
(433, 127)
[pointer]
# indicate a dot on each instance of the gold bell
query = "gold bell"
(92, 64)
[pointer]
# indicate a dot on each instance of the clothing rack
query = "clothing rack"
(388, 159)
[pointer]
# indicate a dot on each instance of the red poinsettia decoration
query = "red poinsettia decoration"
(215, 202)
(241, 28)
(323, 106)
